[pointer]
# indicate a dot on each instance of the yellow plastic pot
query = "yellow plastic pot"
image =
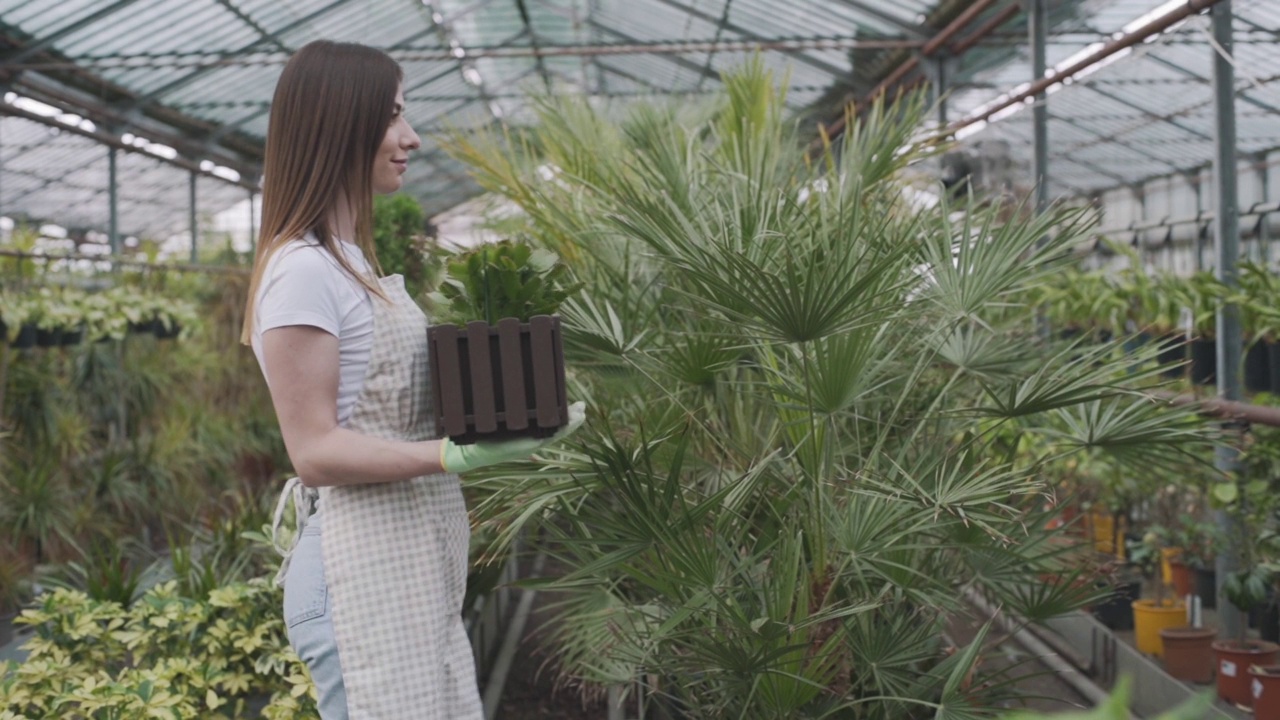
(1149, 619)
(1108, 535)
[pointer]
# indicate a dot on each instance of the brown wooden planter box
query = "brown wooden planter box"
(496, 382)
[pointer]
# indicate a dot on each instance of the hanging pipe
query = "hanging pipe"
(1155, 27)
(933, 45)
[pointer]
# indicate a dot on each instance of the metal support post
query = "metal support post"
(937, 69)
(195, 229)
(1264, 242)
(1194, 179)
(113, 202)
(1227, 232)
(1038, 20)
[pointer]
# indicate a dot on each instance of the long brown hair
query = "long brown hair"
(331, 110)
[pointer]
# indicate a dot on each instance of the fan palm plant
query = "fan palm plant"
(810, 396)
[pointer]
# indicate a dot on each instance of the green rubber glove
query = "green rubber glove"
(461, 458)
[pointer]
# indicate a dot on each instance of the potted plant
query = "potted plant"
(1116, 609)
(1259, 301)
(1253, 503)
(1159, 308)
(1198, 558)
(102, 319)
(173, 318)
(16, 317)
(497, 363)
(1264, 685)
(1201, 293)
(1150, 617)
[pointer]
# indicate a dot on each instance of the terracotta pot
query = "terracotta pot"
(1234, 660)
(1149, 619)
(1188, 653)
(1183, 578)
(1264, 685)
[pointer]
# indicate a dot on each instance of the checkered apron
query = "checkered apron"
(395, 554)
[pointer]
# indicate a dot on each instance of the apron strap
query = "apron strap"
(304, 504)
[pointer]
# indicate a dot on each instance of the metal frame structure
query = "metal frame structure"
(198, 80)
(180, 89)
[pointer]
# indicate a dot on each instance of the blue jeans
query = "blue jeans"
(309, 622)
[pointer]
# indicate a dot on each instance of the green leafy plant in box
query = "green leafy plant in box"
(502, 374)
(501, 280)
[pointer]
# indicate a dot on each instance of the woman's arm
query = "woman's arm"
(302, 364)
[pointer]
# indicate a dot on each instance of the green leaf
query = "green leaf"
(1226, 492)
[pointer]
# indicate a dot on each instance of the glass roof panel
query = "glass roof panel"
(203, 72)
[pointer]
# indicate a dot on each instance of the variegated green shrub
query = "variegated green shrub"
(166, 656)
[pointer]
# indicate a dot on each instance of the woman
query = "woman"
(372, 602)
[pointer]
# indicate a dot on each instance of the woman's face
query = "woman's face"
(393, 156)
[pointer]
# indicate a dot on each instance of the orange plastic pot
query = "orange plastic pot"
(1234, 660)
(1183, 578)
(1188, 653)
(1264, 685)
(1149, 619)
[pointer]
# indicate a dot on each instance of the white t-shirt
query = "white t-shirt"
(304, 285)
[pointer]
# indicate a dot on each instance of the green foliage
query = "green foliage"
(104, 442)
(166, 655)
(398, 226)
(821, 413)
(1252, 500)
(502, 280)
(111, 314)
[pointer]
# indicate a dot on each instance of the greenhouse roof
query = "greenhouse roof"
(1145, 112)
(183, 86)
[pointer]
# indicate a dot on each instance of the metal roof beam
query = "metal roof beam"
(720, 28)
(1090, 166)
(47, 41)
(265, 107)
(263, 32)
(1112, 139)
(674, 59)
(110, 140)
(723, 23)
(1150, 114)
(1244, 96)
(871, 10)
(539, 62)
(46, 182)
(41, 88)
(629, 76)
(153, 95)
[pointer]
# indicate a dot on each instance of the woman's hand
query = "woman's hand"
(461, 458)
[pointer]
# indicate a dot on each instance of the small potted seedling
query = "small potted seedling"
(497, 361)
(17, 318)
